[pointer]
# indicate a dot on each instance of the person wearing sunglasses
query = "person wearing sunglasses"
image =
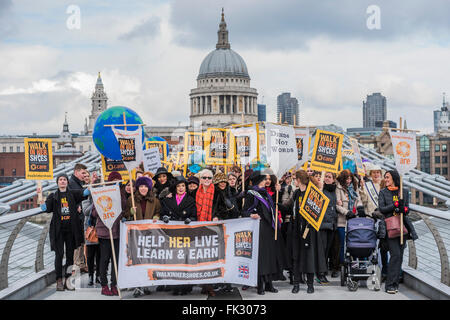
(204, 200)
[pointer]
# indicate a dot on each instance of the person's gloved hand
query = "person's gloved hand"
(350, 215)
(361, 212)
(166, 219)
(187, 221)
(86, 192)
(133, 211)
(43, 207)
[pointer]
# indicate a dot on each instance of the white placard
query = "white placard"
(130, 144)
(405, 150)
(107, 202)
(152, 160)
(282, 152)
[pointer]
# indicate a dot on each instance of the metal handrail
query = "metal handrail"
(23, 218)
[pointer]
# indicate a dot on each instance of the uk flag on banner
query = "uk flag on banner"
(243, 271)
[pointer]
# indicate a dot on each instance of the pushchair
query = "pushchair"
(361, 258)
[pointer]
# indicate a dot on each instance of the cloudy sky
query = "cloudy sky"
(329, 54)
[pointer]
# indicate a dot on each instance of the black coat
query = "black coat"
(308, 254)
(386, 207)
(224, 204)
(186, 209)
(53, 204)
(329, 221)
(271, 259)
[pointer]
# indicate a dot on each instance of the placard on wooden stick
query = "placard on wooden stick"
(314, 206)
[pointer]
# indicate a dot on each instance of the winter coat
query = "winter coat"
(186, 208)
(224, 205)
(271, 261)
(369, 206)
(53, 203)
(102, 230)
(342, 195)
(308, 254)
(152, 209)
(386, 206)
(329, 221)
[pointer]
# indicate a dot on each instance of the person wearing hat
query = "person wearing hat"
(65, 226)
(224, 206)
(370, 190)
(193, 184)
(147, 205)
(163, 182)
(259, 205)
(179, 207)
(308, 255)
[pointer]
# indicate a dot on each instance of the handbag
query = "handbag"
(393, 227)
(91, 234)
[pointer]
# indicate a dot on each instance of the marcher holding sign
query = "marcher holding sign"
(391, 205)
(109, 202)
(327, 151)
(65, 233)
(259, 205)
(308, 252)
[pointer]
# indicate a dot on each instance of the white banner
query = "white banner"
(405, 150)
(282, 152)
(152, 160)
(246, 144)
(130, 144)
(200, 252)
(302, 140)
(108, 203)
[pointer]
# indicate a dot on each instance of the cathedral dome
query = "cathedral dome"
(223, 62)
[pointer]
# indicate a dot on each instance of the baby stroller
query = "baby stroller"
(361, 258)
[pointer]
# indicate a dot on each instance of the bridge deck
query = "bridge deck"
(332, 291)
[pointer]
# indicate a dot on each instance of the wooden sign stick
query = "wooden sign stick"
(132, 195)
(276, 214)
(400, 191)
(114, 260)
(306, 232)
(39, 192)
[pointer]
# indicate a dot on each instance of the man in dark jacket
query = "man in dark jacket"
(65, 227)
(76, 182)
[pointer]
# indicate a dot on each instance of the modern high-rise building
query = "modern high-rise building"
(374, 109)
(261, 112)
(287, 107)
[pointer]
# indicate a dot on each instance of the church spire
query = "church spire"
(222, 34)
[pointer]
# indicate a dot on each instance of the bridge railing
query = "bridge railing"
(25, 247)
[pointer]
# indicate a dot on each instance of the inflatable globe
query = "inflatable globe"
(104, 139)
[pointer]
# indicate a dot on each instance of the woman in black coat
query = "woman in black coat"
(390, 204)
(329, 222)
(224, 205)
(259, 205)
(307, 254)
(65, 230)
(180, 206)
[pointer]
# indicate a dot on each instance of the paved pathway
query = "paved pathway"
(332, 291)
